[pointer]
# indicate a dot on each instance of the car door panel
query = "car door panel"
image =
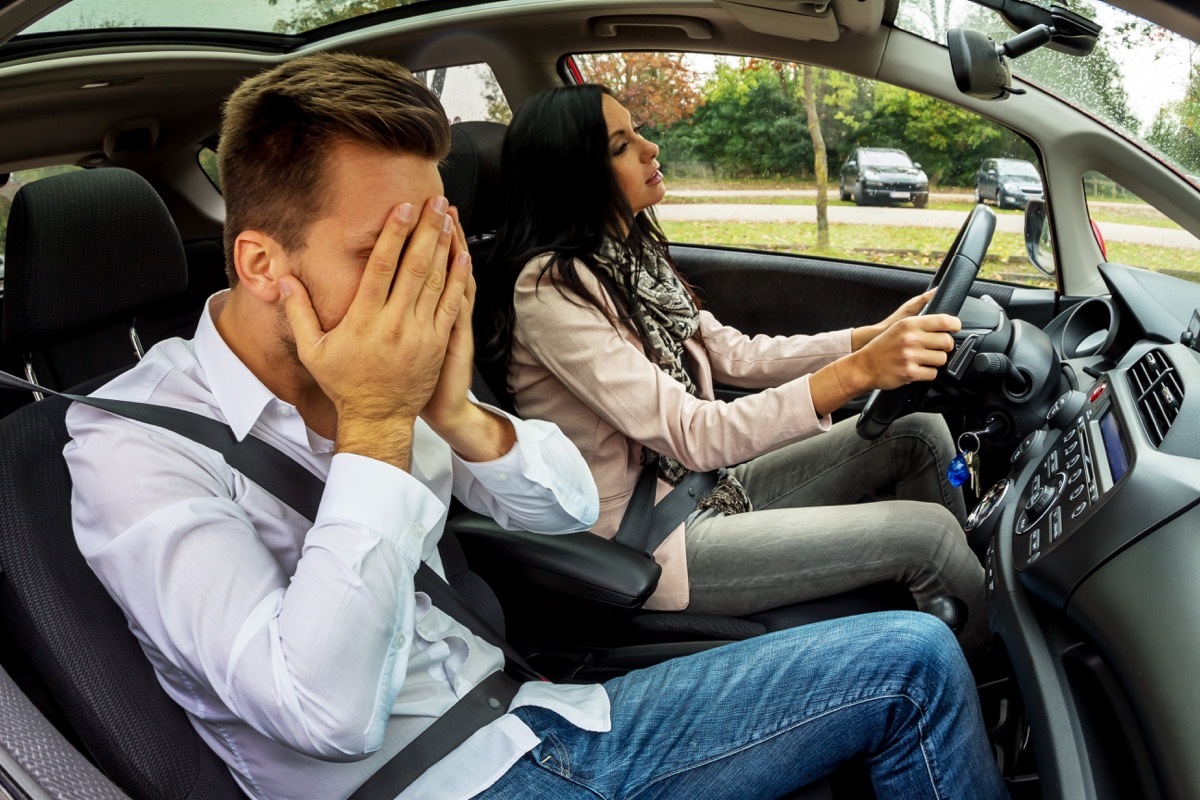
(781, 294)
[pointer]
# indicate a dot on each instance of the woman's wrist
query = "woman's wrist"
(861, 337)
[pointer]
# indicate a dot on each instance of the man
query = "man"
(302, 652)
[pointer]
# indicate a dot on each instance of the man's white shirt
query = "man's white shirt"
(301, 651)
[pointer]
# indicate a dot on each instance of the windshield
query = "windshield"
(1017, 169)
(1140, 78)
(883, 158)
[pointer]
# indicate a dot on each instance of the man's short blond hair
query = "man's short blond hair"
(279, 127)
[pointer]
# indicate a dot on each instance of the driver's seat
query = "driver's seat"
(602, 585)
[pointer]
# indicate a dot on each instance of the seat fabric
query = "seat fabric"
(71, 288)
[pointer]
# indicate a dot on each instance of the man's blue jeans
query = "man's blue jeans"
(768, 715)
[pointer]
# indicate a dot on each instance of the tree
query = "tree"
(658, 89)
(317, 13)
(820, 165)
(751, 122)
(498, 109)
(1175, 132)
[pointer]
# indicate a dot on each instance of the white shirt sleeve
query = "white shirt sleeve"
(310, 654)
(542, 484)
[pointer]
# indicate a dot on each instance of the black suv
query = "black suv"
(1009, 182)
(883, 175)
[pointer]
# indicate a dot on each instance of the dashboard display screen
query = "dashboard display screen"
(1118, 462)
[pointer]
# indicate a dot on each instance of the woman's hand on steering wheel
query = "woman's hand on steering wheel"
(953, 281)
(860, 337)
(911, 349)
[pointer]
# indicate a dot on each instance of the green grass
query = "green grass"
(922, 248)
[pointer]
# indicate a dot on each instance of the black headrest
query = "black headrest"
(471, 174)
(85, 248)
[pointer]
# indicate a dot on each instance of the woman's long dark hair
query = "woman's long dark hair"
(560, 197)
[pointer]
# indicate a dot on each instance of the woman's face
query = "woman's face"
(634, 158)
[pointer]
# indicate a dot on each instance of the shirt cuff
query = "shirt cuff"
(535, 458)
(843, 340)
(383, 499)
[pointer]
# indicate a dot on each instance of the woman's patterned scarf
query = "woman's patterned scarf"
(666, 317)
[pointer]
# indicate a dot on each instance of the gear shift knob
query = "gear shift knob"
(949, 610)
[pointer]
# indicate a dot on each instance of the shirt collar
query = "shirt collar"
(239, 394)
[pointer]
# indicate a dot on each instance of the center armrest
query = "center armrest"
(582, 565)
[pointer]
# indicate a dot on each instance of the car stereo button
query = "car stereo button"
(1097, 391)
(1078, 490)
(1075, 475)
(1079, 509)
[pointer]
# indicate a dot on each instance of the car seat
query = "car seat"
(63, 619)
(70, 294)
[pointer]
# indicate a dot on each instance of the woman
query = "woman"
(602, 336)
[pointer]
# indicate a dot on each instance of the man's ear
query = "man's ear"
(260, 262)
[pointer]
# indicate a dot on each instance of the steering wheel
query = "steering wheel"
(953, 281)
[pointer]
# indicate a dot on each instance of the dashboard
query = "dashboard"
(1093, 560)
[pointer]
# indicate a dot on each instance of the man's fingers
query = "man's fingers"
(301, 318)
(381, 268)
(460, 235)
(453, 297)
(419, 264)
(435, 285)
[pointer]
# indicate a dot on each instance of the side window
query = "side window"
(468, 92)
(8, 190)
(744, 143)
(208, 162)
(1133, 232)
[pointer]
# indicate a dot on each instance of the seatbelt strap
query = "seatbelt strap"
(646, 525)
(290, 482)
(486, 702)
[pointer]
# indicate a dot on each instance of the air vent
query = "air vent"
(1159, 393)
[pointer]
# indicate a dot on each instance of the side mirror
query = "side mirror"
(1039, 245)
(851, 165)
(917, 164)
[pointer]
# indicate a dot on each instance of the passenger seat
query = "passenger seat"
(87, 252)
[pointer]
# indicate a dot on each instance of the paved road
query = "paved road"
(895, 216)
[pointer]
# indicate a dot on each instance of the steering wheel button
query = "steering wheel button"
(1035, 541)
(1052, 463)
(1055, 524)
